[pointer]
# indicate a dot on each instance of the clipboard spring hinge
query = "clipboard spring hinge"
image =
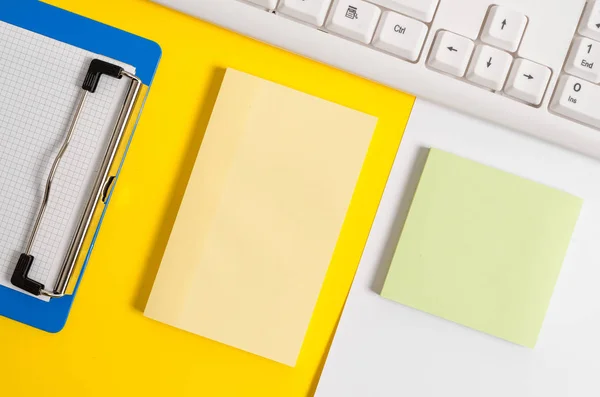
(20, 277)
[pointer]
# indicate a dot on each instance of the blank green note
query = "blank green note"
(482, 248)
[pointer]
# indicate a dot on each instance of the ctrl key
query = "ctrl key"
(577, 99)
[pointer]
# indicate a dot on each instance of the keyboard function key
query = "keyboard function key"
(354, 19)
(423, 10)
(528, 81)
(584, 59)
(489, 67)
(309, 11)
(577, 99)
(590, 23)
(450, 53)
(268, 4)
(504, 28)
(400, 35)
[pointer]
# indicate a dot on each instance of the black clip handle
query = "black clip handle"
(20, 278)
(97, 69)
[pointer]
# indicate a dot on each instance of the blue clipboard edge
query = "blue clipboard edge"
(102, 39)
(84, 33)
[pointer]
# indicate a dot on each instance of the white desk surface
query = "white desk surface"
(383, 349)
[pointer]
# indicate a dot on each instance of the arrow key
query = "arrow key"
(504, 28)
(450, 53)
(489, 67)
(528, 81)
(590, 22)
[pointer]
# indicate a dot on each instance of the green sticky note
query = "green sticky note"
(482, 248)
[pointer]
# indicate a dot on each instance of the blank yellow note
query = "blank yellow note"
(260, 217)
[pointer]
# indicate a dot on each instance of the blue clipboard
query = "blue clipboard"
(102, 39)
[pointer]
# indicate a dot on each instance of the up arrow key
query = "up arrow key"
(504, 28)
(452, 49)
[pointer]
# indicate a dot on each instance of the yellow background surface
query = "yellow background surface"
(108, 347)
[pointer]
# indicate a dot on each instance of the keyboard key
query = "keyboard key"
(504, 28)
(400, 35)
(489, 67)
(577, 99)
(590, 23)
(269, 4)
(354, 19)
(310, 11)
(450, 53)
(584, 59)
(528, 81)
(419, 9)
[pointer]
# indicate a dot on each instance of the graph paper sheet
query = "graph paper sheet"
(40, 84)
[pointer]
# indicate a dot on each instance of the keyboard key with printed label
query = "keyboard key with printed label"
(450, 53)
(310, 11)
(354, 19)
(422, 10)
(504, 28)
(400, 35)
(489, 67)
(528, 81)
(584, 59)
(590, 23)
(577, 99)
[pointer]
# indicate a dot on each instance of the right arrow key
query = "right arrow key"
(528, 81)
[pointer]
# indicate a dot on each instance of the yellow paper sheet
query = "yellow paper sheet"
(260, 217)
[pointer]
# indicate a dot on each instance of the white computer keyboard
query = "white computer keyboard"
(531, 65)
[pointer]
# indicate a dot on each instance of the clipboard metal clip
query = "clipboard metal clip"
(20, 277)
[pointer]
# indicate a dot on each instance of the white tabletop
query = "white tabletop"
(383, 348)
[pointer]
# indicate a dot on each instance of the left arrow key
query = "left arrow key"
(450, 53)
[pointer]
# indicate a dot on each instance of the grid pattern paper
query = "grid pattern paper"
(40, 85)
